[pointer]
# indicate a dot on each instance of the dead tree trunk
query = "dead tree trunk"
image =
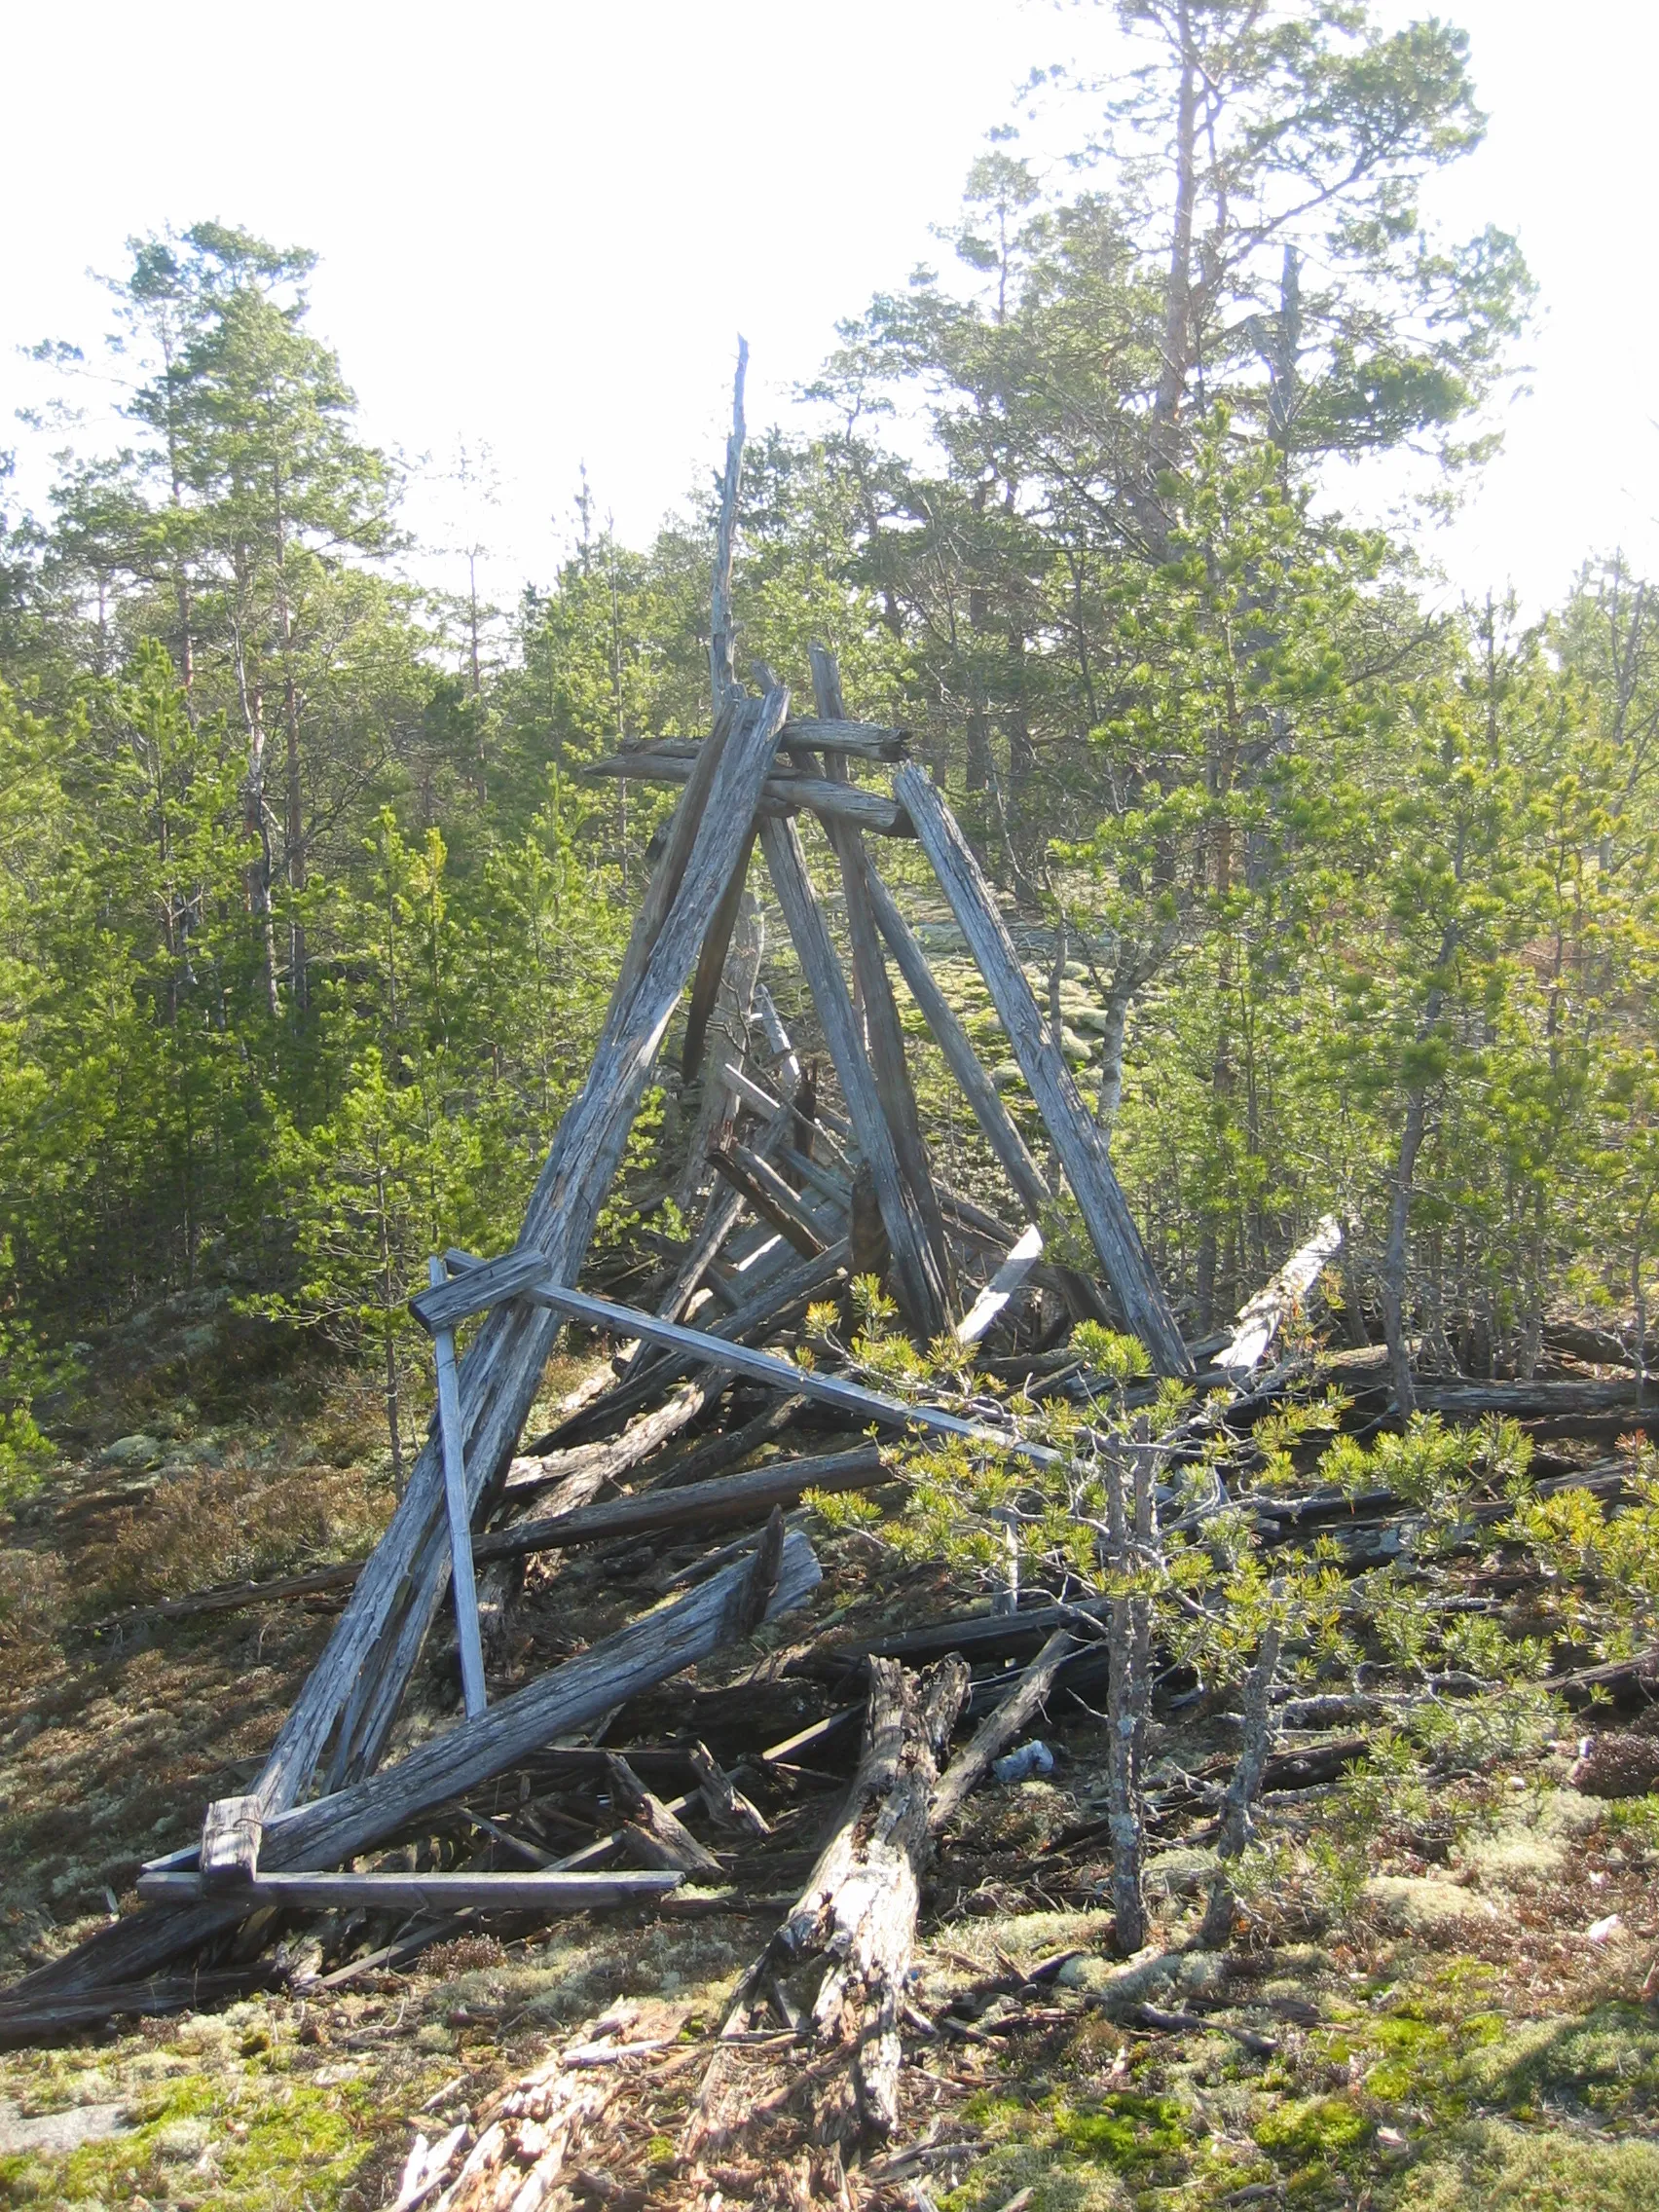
(858, 1914)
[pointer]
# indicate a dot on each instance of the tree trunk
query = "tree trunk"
(1237, 1823)
(394, 1412)
(1110, 1095)
(256, 821)
(1395, 1256)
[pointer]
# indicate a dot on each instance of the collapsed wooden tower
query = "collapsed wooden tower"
(323, 1796)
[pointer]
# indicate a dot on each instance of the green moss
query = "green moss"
(1322, 2128)
(258, 2144)
(1125, 2131)
(1606, 2063)
(1494, 2167)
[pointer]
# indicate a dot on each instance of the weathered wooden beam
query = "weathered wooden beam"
(785, 792)
(993, 1300)
(649, 1650)
(868, 741)
(227, 1598)
(722, 1499)
(538, 1892)
(587, 1467)
(503, 1369)
(850, 1398)
(975, 1085)
(769, 1195)
(331, 1829)
(778, 1300)
(710, 966)
(655, 1834)
(457, 1508)
(45, 2018)
(859, 741)
(723, 660)
(999, 1729)
(922, 1294)
(886, 1032)
(1259, 1320)
(1082, 1151)
(229, 1853)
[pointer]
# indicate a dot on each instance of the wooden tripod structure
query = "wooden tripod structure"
(322, 1795)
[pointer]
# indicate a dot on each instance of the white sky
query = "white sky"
(542, 225)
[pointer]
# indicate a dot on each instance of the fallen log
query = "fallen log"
(45, 2018)
(538, 1892)
(1527, 1401)
(227, 1598)
(977, 1636)
(724, 1803)
(1635, 1679)
(592, 1465)
(731, 1497)
(999, 1729)
(858, 1911)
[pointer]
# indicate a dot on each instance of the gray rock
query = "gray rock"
(50, 2134)
(137, 1452)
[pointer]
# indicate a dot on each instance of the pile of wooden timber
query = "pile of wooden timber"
(802, 1199)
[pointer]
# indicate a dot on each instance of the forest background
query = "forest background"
(1341, 902)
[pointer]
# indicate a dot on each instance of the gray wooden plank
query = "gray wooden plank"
(769, 1195)
(727, 1497)
(539, 1891)
(1082, 1155)
(1023, 1255)
(459, 1512)
(921, 1293)
(785, 792)
(648, 1651)
(766, 1367)
(710, 966)
(977, 1087)
(886, 1032)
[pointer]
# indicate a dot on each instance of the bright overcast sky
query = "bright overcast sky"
(542, 225)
